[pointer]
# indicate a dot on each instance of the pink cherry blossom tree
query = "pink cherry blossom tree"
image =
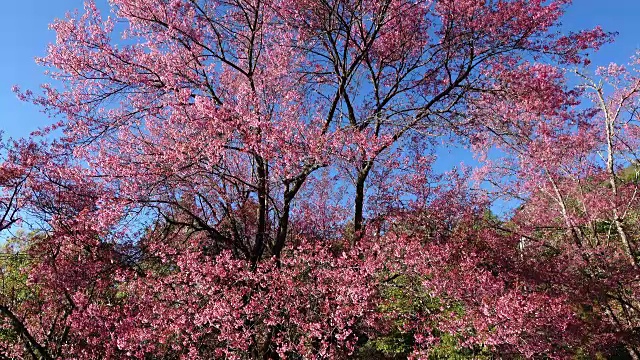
(252, 179)
(577, 174)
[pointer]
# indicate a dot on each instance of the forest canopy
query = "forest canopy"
(254, 179)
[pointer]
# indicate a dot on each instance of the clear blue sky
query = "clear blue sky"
(24, 35)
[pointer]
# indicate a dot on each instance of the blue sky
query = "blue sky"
(24, 35)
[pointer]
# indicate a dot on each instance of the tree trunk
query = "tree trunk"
(358, 218)
(262, 172)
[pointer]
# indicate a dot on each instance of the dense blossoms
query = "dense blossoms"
(254, 179)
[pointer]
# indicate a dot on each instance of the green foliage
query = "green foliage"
(13, 279)
(13, 262)
(404, 298)
(395, 345)
(449, 348)
(630, 174)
